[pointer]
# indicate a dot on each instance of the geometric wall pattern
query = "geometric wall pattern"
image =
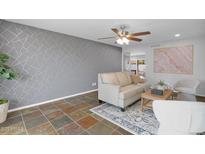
(51, 65)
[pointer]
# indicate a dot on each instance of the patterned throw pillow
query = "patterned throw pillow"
(136, 79)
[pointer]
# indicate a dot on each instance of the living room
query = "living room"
(63, 82)
(102, 76)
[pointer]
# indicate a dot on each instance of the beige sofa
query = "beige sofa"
(118, 89)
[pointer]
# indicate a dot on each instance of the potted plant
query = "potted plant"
(7, 73)
(161, 85)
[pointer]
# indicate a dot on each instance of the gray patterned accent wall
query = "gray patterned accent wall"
(51, 65)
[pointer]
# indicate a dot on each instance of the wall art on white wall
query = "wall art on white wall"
(174, 60)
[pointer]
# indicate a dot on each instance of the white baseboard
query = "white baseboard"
(53, 100)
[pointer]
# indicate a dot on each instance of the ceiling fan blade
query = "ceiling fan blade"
(115, 30)
(103, 38)
(134, 39)
(140, 33)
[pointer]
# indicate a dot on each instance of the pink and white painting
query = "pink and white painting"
(174, 60)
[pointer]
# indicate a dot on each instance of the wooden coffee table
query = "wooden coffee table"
(147, 98)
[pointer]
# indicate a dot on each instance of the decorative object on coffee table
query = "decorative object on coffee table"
(159, 88)
(157, 92)
(161, 85)
(147, 98)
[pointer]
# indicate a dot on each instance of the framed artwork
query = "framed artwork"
(174, 60)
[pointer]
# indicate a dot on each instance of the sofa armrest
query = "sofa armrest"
(109, 88)
(108, 93)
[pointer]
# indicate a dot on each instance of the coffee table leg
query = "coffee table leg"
(142, 101)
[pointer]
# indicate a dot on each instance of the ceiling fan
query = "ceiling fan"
(123, 36)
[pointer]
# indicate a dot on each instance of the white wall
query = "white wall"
(198, 64)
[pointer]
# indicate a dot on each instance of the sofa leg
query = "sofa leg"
(122, 109)
(100, 101)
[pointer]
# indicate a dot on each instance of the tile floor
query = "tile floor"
(66, 117)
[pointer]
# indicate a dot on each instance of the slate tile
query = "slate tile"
(13, 114)
(44, 129)
(35, 122)
(11, 121)
(100, 129)
(116, 133)
(124, 132)
(77, 115)
(54, 115)
(48, 108)
(110, 124)
(13, 129)
(69, 109)
(29, 110)
(32, 115)
(61, 121)
(87, 122)
(71, 129)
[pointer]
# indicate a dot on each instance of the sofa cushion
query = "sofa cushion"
(109, 78)
(131, 90)
(123, 78)
(128, 77)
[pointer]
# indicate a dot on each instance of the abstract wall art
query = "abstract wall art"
(174, 60)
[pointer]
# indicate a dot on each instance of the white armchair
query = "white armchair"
(187, 86)
(180, 117)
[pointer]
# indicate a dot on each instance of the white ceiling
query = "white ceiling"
(162, 30)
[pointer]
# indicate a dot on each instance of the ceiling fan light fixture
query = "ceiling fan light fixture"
(124, 37)
(125, 40)
(177, 35)
(120, 41)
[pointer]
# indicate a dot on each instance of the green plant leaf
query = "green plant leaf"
(6, 66)
(12, 75)
(5, 75)
(1, 69)
(3, 58)
(5, 71)
(3, 101)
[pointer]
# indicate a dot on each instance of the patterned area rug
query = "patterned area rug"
(132, 120)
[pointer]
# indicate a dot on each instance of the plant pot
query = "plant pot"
(3, 112)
